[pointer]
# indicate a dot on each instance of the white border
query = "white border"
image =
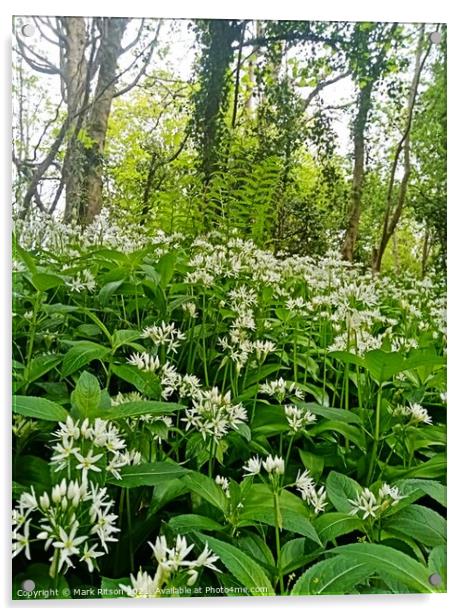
(392, 10)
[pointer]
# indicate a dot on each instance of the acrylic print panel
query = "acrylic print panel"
(229, 294)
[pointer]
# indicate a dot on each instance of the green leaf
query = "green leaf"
(207, 489)
(145, 382)
(297, 553)
(121, 337)
(419, 523)
(434, 489)
(86, 396)
(340, 489)
(166, 268)
(352, 433)
(335, 524)
(331, 413)
(189, 521)
(383, 365)
(143, 407)
(82, 354)
(148, 474)
(41, 365)
(39, 408)
(435, 468)
(43, 282)
(256, 547)
(33, 471)
(438, 565)
(386, 560)
(108, 290)
(334, 576)
(313, 463)
(242, 566)
(258, 506)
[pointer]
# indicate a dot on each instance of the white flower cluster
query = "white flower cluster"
(187, 385)
(213, 414)
(306, 486)
(75, 519)
(273, 465)
(224, 483)
(91, 447)
(166, 335)
(281, 389)
(415, 412)
(84, 280)
(171, 561)
(372, 505)
(298, 418)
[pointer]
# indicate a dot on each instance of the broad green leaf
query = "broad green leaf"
(297, 553)
(108, 290)
(207, 489)
(341, 488)
(43, 282)
(39, 408)
(148, 474)
(434, 489)
(242, 566)
(145, 382)
(188, 522)
(419, 523)
(121, 337)
(386, 560)
(256, 547)
(86, 396)
(334, 576)
(335, 524)
(82, 354)
(40, 365)
(313, 463)
(291, 520)
(332, 413)
(438, 565)
(33, 471)
(383, 365)
(143, 407)
(352, 433)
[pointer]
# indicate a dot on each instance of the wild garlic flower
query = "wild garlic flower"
(172, 564)
(280, 389)
(365, 502)
(69, 518)
(298, 418)
(165, 334)
(190, 309)
(306, 486)
(274, 465)
(374, 505)
(91, 447)
(213, 414)
(414, 412)
(252, 467)
(263, 348)
(224, 484)
(82, 281)
(144, 361)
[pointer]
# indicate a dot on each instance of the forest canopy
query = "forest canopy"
(302, 136)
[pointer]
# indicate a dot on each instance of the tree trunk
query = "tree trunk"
(112, 31)
(211, 99)
(364, 103)
(75, 69)
(391, 219)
